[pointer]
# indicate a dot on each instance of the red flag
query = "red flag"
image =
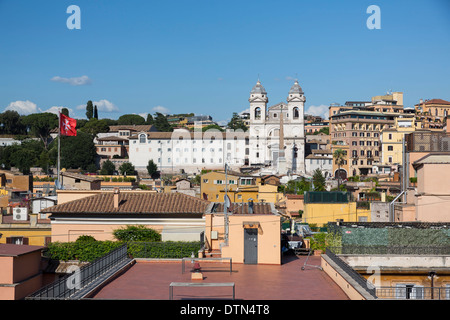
(67, 125)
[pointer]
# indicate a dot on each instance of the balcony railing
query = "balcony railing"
(413, 292)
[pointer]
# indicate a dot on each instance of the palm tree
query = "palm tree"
(339, 156)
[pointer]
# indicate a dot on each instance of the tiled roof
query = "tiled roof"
(132, 203)
(436, 101)
(193, 135)
(138, 128)
(80, 176)
(243, 208)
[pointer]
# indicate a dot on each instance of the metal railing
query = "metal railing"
(413, 292)
(81, 277)
(392, 250)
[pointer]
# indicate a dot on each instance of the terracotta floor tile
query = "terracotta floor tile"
(151, 280)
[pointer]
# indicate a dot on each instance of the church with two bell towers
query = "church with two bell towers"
(277, 133)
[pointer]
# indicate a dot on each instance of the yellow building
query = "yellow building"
(33, 231)
(240, 187)
(392, 140)
(323, 207)
(344, 167)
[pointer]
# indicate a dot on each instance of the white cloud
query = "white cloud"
(321, 110)
(75, 81)
(105, 106)
(244, 111)
(22, 107)
(102, 105)
(161, 109)
(55, 110)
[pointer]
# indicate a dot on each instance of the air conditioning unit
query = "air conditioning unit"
(20, 214)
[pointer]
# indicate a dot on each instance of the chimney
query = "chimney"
(116, 197)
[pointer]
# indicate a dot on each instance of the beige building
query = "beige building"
(21, 271)
(429, 201)
(77, 181)
(253, 233)
(392, 141)
(432, 114)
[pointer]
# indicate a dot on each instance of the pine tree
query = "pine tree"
(89, 110)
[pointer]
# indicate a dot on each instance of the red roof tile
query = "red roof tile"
(129, 202)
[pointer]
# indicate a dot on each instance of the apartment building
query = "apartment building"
(432, 114)
(361, 132)
(190, 152)
(392, 141)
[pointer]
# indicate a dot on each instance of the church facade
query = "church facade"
(275, 141)
(277, 133)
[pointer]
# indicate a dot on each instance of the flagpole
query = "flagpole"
(59, 148)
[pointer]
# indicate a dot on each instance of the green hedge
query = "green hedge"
(167, 249)
(91, 250)
(395, 237)
(80, 250)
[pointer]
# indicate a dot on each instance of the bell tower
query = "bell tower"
(258, 103)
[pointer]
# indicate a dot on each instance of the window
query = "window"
(390, 148)
(296, 113)
(205, 180)
(390, 136)
(408, 291)
(142, 138)
(258, 113)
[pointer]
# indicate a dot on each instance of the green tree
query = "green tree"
(44, 161)
(11, 123)
(318, 180)
(152, 168)
(131, 119)
(65, 111)
(76, 152)
(212, 126)
(108, 168)
(137, 233)
(324, 130)
(24, 159)
(95, 112)
(339, 156)
(161, 123)
(296, 186)
(236, 123)
(95, 126)
(41, 124)
(89, 110)
(91, 168)
(127, 169)
(149, 119)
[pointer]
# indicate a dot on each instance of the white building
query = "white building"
(321, 159)
(259, 147)
(265, 124)
(191, 152)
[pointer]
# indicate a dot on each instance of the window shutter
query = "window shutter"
(25, 241)
(9, 240)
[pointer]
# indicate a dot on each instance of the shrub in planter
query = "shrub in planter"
(137, 233)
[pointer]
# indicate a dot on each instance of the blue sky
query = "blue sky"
(205, 56)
